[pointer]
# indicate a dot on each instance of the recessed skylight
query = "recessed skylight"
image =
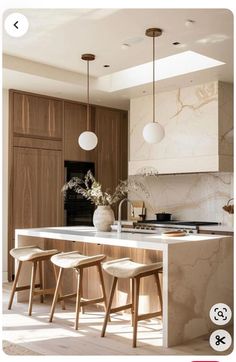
(168, 67)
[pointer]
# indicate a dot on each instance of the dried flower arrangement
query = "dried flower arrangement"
(91, 189)
(229, 208)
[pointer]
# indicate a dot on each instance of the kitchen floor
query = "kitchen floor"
(34, 335)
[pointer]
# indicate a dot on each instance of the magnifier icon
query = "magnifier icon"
(220, 314)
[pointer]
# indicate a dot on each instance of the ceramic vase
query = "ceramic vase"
(103, 218)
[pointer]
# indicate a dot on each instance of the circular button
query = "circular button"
(16, 25)
(220, 340)
(220, 314)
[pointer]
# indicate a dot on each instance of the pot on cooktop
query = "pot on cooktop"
(163, 216)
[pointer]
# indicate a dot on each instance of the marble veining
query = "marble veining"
(198, 197)
(196, 280)
(184, 113)
(198, 123)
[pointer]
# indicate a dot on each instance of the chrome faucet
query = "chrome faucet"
(119, 225)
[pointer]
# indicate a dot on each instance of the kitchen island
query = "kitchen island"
(197, 271)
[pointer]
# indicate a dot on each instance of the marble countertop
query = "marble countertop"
(125, 239)
(216, 228)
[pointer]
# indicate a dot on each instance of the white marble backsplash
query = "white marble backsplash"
(193, 197)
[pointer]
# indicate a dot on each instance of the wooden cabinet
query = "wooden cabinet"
(25, 188)
(75, 123)
(37, 198)
(37, 116)
(44, 133)
(111, 127)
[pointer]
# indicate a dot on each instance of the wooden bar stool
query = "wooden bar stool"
(36, 256)
(78, 262)
(126, 268)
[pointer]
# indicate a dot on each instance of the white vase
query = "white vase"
(103, 218)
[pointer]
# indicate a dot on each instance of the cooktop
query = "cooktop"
(178, 222)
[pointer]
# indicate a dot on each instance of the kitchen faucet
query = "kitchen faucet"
(119, 225)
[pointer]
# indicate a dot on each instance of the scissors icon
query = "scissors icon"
(219, 340)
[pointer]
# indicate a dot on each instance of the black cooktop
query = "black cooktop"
(178, 222)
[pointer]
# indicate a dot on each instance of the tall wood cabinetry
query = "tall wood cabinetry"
(111, 154)
(43, 134)
(111, 127)
(35, 164)
(75, 121)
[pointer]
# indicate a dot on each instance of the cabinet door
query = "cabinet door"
(50, 182)
(37, 116)
(75, 122)
(111, 127)
(25, 188)
(37, 198)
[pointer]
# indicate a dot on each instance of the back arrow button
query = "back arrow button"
(16, 25)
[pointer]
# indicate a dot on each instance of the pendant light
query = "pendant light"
(153, 132)
(87, 139)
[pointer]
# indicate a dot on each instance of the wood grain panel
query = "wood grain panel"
(37, 143)
(38, 179)
(25, 188)
(111, 128)
(37, 116)
(50, 182)
(74, 124)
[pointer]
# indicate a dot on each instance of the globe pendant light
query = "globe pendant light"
(153, 132)
(87, 139)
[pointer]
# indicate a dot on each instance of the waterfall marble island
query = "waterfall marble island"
(197, 272)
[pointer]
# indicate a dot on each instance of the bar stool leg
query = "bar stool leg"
(113, 288)
(81, 296)
(78, 296)
(15, 284)
(156, 275)
(103, 289)
(41, 279)
(136, 300)
(32, 286)
(102, 285)
(56, 294)
(63, 305)
(132, 301)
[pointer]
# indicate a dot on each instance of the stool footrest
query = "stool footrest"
(44, 291)
(122, 307)
(91, 301)
(25, 287)
(142, 317)
(66, 296)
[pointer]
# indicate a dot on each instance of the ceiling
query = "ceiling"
(57, 38)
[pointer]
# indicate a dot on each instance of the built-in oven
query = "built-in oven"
(77, 209)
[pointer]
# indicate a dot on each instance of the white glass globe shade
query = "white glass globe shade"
(153, 132)
(88, 140)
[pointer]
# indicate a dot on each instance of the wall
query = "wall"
(198, 130)
(197, 122)
(192, 197)
(4, 182)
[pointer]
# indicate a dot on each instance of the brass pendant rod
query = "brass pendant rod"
(153, 84)
(88, 108)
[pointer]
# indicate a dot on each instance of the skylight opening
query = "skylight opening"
(168, 67)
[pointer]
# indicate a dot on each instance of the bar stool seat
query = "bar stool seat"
(28, 253)
(78, 262)
(74, 259)
(126, 268)
(37, 256)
